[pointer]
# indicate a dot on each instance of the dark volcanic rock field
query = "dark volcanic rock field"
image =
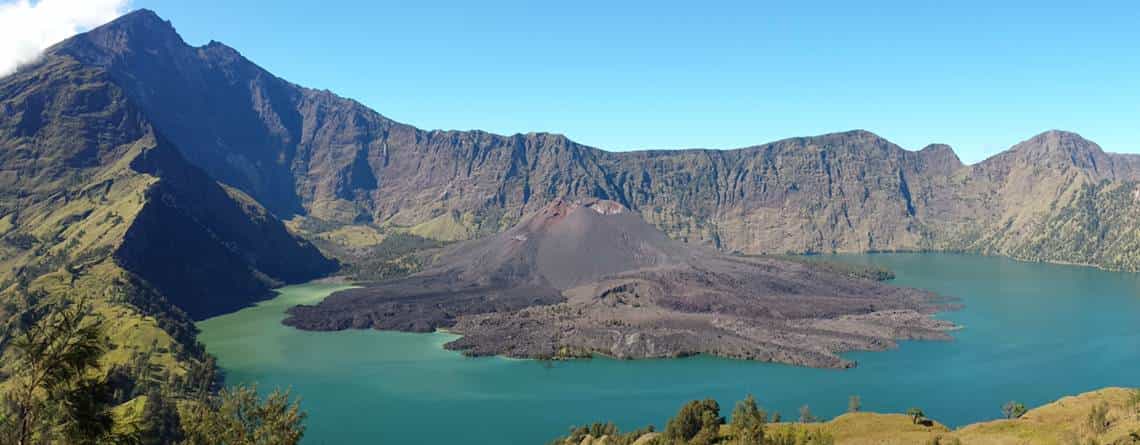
(578, 278)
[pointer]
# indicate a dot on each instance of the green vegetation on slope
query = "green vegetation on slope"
(1100, 226)
(1106, 417)
(448, 226)
(59, 388)
(368, 253)
(99, 211)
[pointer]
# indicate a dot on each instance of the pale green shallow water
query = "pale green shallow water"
(1034, 332)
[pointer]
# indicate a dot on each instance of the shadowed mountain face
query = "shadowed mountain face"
(577, 278)
(305, 152)
(87, 182)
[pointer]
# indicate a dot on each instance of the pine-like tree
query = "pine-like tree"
(54, 396)
(748, 422)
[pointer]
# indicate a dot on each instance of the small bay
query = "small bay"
(1031, 332)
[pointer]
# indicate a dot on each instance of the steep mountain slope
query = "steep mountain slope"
(1099, 224)
(209, 248)
(1059, 197)
(97, 205)
(311, 154)
(306, 151)
(592, 277)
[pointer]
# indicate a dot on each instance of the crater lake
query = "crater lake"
(1030, 332)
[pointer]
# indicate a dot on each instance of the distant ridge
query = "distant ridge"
(309, 154)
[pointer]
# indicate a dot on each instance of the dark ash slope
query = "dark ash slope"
(592, 277)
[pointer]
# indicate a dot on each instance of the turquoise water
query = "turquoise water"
(1033, 332)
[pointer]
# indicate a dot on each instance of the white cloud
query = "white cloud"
(27, 28)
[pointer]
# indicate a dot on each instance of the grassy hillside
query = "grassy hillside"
(1099, 224)
(68, 202)
(98, 208)
(1109, 416)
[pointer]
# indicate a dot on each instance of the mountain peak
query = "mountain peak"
(937, 148)
(940, 157)
(141, 21)
(858, 133)
(140, 15)
(1057, 147)
(939, 151)
(857, 137)
(1059, 135)
(1058, 141)
(137, 31)
(565, 205)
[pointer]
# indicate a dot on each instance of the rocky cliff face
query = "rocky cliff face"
(309, 153)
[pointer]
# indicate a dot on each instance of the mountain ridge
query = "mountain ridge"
(311, 154)
(151, 19)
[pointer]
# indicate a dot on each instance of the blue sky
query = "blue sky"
(629, 75)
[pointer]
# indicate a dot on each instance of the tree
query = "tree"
(806, 416)
(238, 416)
(748, 422)
(202, 378)
(1013, 410)
(915, 414)
(695, 417)
(854, 404)
(160, 421)
(55, 396)
(710, 429)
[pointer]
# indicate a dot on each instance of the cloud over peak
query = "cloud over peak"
(28, 27)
